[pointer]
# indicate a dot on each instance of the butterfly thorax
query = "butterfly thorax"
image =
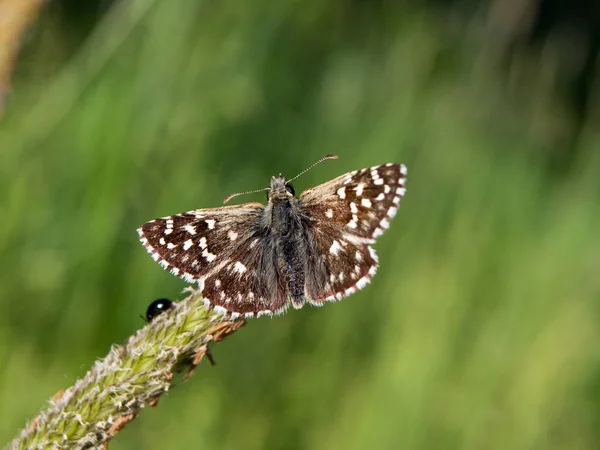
(281, 206)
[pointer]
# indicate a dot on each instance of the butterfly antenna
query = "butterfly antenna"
(318, 162)
(229, 197)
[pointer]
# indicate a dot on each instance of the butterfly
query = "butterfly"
(254, 259)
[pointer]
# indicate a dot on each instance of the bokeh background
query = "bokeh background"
(481, 329)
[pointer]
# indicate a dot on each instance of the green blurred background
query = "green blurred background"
(481, 329)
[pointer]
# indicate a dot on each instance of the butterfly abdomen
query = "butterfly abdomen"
(294, 272)
(287, 228)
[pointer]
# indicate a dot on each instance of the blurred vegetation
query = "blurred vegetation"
(480, 329)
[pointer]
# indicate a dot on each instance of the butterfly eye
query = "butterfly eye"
(290, 189)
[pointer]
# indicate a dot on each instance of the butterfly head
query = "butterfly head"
(280, 190)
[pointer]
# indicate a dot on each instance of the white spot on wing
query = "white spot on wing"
(210, 223)
(208, 255)
(171, 246)
(342, 192)
(188, 277)
(387, 189)
(335, 248)
(329, 213)
(366, 202)
(232, 235)
(350, 176)
(188, 244)
(190, 229)
(374, 256)
(349, 291)
(353, 208)
(380, 197)
(362, 282)
(239, 267)
(359, 189)
(220, 310)
(161, 241)
(202, 242)
(378, 181)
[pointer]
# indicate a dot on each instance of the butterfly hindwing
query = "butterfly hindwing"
(340, 264)
(251, 282)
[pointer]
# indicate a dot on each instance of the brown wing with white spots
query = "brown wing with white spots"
(226, 251)
(361, 202)
(195, 243)
(343, 217)
(250, 283)
(339, 265)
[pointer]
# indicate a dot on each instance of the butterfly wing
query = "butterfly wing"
(226, 251)
(343, 217)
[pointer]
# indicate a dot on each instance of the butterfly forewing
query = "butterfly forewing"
(195, 243)
(361, 202)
